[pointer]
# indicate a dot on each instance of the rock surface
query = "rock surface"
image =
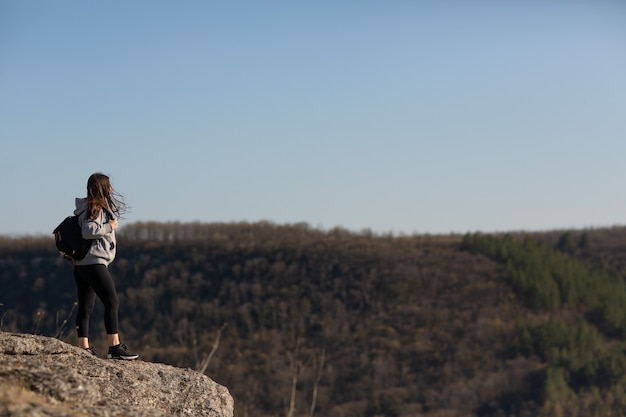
(41, 376)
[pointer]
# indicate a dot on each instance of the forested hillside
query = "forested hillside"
(297, 321)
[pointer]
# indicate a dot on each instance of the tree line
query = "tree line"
(297, 321)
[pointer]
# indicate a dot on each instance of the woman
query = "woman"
(97, 216)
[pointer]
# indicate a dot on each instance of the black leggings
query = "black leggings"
(92, 280)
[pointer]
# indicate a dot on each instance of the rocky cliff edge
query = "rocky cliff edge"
(41, 376)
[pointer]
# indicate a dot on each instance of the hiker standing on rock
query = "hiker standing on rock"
(97, 216)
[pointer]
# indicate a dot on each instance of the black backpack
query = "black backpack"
(69, 239)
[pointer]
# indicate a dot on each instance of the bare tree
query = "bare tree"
(316, 383)
(205, 363)
(2, 318)
(294, 367)
(61, 327)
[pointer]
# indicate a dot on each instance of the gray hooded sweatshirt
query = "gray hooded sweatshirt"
(103, 247)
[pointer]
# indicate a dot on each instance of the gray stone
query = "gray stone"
(41, 376)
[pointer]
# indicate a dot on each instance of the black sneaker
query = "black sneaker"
(90, 350)
(121, 352)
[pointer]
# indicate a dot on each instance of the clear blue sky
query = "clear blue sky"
(401, 116)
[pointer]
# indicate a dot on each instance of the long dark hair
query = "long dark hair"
(102, 196)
